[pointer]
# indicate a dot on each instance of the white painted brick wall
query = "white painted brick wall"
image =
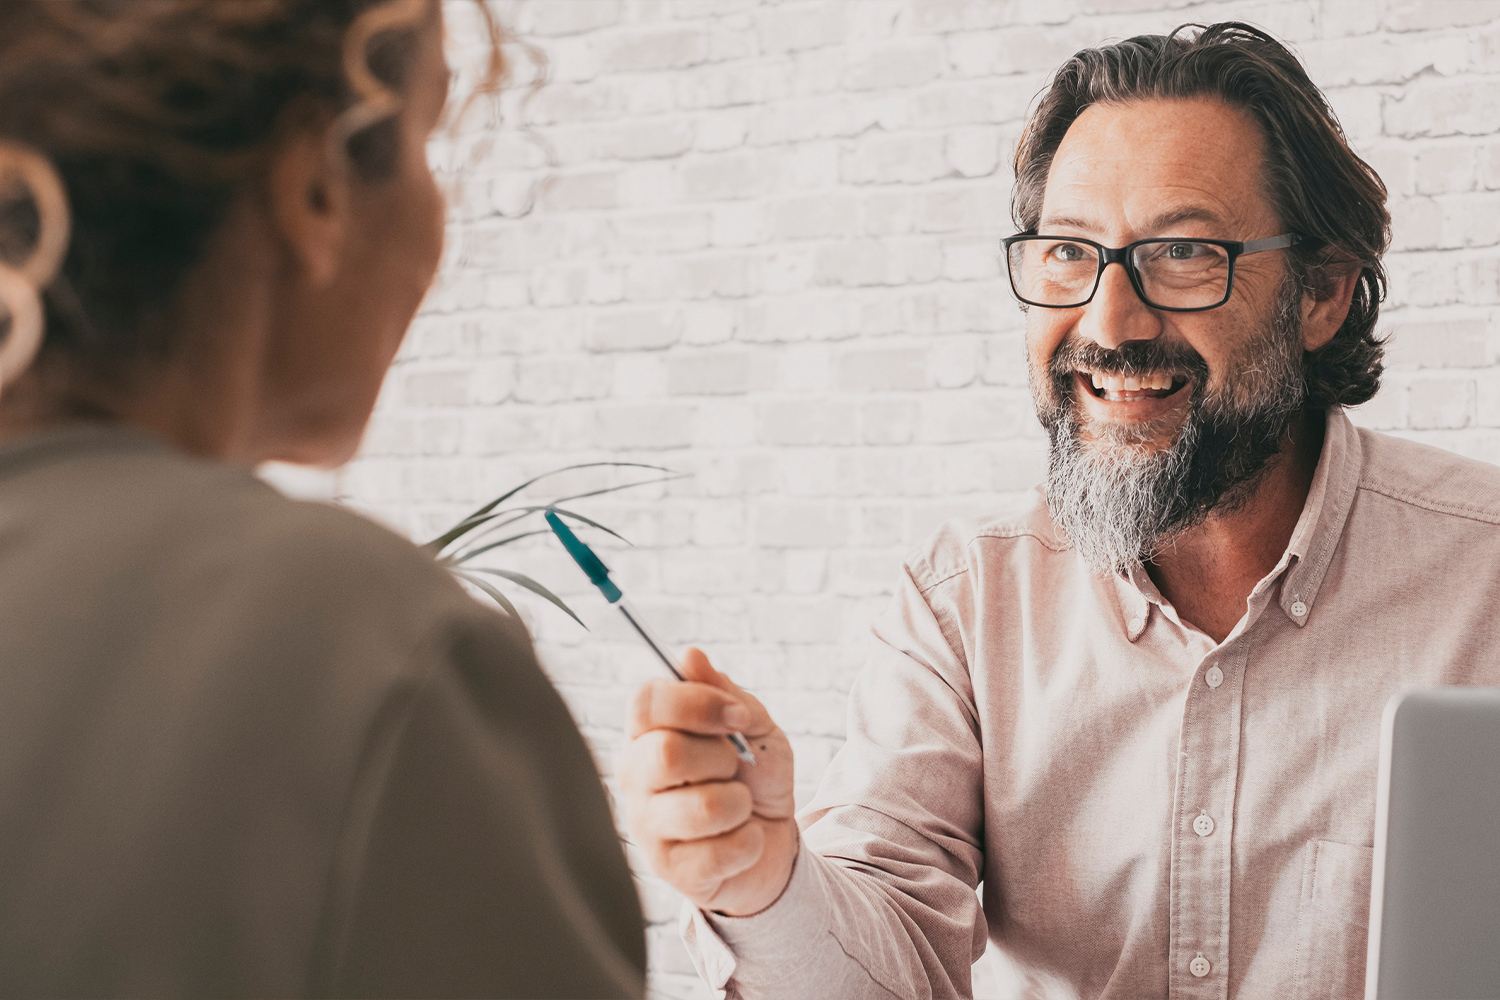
(764, 254)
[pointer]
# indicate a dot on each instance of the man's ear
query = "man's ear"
(1327, 294)
(308, 189)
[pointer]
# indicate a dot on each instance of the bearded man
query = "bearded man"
(1144, 709)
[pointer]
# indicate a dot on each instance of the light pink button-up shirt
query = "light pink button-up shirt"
(1152, 814)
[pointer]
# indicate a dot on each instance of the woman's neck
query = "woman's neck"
(203, 395)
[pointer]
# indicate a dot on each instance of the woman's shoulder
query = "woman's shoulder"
(114, 513)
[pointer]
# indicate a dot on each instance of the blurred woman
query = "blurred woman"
(250, 746)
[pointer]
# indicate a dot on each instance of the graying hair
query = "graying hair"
(1319, 187)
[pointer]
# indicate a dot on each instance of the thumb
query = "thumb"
(695, 667)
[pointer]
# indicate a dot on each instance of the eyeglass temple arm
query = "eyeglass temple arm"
(1270, 243)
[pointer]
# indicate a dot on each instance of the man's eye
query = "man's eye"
(1182, 251)
(1068, 252)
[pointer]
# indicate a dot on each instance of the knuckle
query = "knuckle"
(660, 856)
(721, 806)
(695, 813)
(740, 803)
(659, 702)
(635, 764)
(668, 756)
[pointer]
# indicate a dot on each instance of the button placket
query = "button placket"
(1207, 776)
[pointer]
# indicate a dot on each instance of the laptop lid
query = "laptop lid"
(1435, 888)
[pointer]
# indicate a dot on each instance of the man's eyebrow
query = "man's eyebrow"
(1187, 213)
(1166, 220)
(1071, 222)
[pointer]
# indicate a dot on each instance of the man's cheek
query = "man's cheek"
(1039, 379)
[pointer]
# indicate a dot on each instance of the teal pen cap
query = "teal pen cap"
(598, 575)
(584, 556)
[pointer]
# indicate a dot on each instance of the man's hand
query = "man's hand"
(718, 829)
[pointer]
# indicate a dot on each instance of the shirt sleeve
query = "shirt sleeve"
(882, 900)
(479, 857)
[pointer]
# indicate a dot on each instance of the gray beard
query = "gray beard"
(1120, 504)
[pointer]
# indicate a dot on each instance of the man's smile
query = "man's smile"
(1130, 398)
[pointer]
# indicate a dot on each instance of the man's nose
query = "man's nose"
(1116, 314)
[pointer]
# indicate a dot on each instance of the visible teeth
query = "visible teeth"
(1131, 383)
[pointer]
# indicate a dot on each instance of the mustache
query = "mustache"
(1134, 357)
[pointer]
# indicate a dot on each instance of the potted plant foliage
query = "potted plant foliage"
(504, 521)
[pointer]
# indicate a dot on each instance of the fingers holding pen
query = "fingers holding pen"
(668, 758)
(696, 812)
(718, 829)
(696, 667)
(689, 707)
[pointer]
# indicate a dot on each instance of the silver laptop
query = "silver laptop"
(1435, 889)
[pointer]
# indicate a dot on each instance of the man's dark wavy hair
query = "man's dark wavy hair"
(1321, 189)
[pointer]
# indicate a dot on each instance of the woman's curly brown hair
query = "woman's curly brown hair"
(155, 113)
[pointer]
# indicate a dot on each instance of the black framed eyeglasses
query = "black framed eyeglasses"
(1177, 275)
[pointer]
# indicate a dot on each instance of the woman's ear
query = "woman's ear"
(1327, 294)
(308, 190)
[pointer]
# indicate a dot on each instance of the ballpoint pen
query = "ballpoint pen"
(598, 575)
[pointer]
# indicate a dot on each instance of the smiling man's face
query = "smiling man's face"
(1158, 417)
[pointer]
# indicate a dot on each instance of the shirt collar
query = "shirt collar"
(1313, 541)
(1321, 525)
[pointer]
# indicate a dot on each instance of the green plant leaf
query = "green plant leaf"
(522, 580)
(468, 524)
(622, 486)
(521, 512)
(459, 558)
(497, 519)
(478, 517)
(493, 592)
(489, 522)
(590, 522)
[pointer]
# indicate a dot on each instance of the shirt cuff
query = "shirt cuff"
(719, 944)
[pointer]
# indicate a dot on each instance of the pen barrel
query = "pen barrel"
(662, 650)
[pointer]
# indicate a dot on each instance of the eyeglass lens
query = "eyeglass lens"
(1174, 274)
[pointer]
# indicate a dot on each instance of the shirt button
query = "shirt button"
(1199, 966)
(1299, 610)
(1135, 624)
(1204, 824)
(1213, 676)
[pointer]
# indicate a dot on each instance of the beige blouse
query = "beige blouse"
(1152, 814)
(256, 747)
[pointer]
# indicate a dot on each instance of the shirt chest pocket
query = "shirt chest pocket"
(1333, 921)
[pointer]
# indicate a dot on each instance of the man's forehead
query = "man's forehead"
(1151, 166)
(1167, 218)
